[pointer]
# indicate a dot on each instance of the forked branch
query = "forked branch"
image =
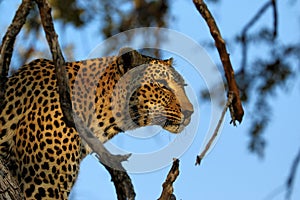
(244, 35)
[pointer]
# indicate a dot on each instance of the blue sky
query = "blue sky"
(229, 171)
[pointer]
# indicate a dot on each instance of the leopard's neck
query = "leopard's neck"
(103, 105)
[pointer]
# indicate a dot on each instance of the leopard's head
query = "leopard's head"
(155, 92)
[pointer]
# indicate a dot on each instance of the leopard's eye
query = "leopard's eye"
(162, 82)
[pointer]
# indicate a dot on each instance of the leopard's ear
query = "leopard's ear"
(168, 62)
(129, 58)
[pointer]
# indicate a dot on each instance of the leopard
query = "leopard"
(110, 94)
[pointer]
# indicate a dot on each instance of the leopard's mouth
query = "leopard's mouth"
(175, 127)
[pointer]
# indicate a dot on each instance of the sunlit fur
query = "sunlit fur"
(110, 94)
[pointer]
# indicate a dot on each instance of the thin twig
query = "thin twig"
(216, 131)
(275, 18)
(167, 193)
(237, 108)
(255, 19)
(291, 179)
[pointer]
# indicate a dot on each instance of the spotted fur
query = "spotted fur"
(44, 153)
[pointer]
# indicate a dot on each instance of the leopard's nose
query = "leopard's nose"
(187, 113)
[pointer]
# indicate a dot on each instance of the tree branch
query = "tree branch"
(123, 184)
(255, 18)
(275, 18)
(291, 179)
(9, 187)
(167, 193)
(112, 163)
(8, 41)
(236, 106)
(122, 181)
(59, 61)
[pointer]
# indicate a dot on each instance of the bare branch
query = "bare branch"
(112, 163)
(58, 59)
(122, 181)
(237, 108)
(103, 154)
(275, 18)
(291, 179)
(123, 185)
(9, 188)
(259, 13)
(8, 41)
(167, 193)
(213, 137)
(255, 18)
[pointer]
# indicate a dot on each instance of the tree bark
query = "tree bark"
(168, 190)
(236, 109)
(9, 187)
